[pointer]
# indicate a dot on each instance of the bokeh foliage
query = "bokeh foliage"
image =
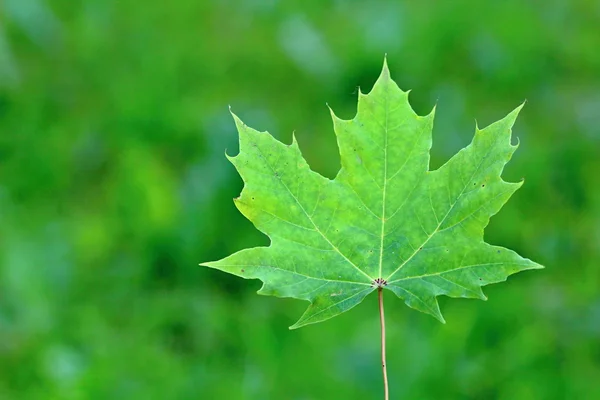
(114, 186)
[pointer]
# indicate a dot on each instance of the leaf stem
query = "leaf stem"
(383, 365)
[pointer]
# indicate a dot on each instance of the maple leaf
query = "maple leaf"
(385, 221)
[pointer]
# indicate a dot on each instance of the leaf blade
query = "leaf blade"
(386, 220)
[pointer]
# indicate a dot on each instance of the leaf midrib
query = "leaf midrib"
(385, 183)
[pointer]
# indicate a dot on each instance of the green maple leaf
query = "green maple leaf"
(384, 221)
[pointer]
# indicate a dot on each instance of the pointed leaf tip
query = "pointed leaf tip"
(228, 157)
(236, 118)
(512, 116)
(385, 71)
(516, 145)
(433, 110)
(438, 314)
(239, 124)
(330, 110)
(505, 123)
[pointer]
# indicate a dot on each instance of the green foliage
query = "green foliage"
(386, 220)
(113, 121)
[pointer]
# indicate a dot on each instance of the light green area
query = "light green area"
(386, 219)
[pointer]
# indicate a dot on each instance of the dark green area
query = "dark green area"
(114, 186)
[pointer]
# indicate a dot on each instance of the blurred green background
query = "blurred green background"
(114, 186)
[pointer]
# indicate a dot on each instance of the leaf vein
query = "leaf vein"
(315, 225)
